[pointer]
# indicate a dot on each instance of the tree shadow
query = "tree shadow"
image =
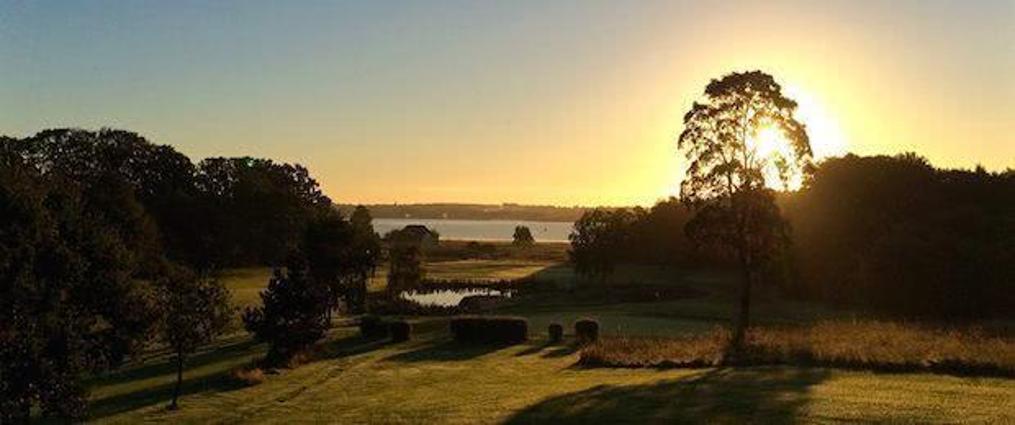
(219, 381)
(446, 351)
(162, 366)
(562, 351)
(161, 394)
(755, 395)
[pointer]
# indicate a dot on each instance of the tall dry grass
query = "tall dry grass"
(871, 345)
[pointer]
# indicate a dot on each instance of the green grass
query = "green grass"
(435, 381)
(431, 380)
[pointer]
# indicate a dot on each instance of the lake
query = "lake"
(480, 230)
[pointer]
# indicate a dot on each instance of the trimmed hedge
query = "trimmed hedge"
(586, 330)
(490, 330)
(400, 330)
(556, 331)
(371, 326)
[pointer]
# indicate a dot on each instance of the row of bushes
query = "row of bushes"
(514, 330)
(479, 329)
(374, 327)
(868, 345)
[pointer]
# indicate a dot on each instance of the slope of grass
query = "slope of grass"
(435, 381)
(432, 380)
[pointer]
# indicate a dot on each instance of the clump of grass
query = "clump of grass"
(248, 376)
(870, 345)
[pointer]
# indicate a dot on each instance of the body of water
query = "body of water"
(449, 297)
(480, 230)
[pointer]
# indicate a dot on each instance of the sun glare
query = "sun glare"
(771, 146)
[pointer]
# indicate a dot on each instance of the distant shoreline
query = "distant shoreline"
(486, 212)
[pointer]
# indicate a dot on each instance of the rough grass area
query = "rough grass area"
(354, 381)
(869, 345)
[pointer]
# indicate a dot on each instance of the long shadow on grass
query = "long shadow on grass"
(758, 395)
(219, 381)
(444, 352)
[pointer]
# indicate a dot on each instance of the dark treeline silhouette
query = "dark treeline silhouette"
(220, 212)
(890, 234)
(898, 235)
(110, 243)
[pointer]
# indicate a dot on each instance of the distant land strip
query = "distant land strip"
(454, 211)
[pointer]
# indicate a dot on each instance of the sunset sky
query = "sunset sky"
(547, 102)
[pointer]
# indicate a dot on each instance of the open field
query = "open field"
(431, 379)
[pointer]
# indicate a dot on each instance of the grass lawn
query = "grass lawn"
(432, 380)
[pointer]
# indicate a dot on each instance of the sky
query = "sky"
(537, 102)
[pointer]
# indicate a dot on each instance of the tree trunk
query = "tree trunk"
(179, 381)
(743, 320)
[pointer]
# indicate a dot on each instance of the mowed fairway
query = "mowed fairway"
(433, 380)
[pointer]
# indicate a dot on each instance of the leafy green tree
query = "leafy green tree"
(725, 181)
(523, 236)
(196, 310)
(71, 301)
(293, 312)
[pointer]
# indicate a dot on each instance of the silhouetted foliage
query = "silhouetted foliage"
(598, 236)
(603, 238)
(196, 310)
(365, 250)
(522, 236)
(71, 301)
(490, 330)
(293, 312)
(406, 268)
(258, 209)
(223, 212)
(896, 235)
(725, 181)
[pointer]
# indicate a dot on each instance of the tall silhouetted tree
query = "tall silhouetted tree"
(366, 251)
(725, 180)
(406, 268)
(523, 236)
(196, 310)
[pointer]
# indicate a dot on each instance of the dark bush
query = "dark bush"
(490, 330)
(400, 330)
(371, 326)
(586, 330)
(556, 331)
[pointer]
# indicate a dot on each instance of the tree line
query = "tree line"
(890, 234)
(110, 243)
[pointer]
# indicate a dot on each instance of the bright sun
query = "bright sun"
(770, 144)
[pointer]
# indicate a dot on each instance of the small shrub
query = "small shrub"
(371, 326)
(248, 376)
(490, 330)
(586, 330)
(400, 330)
(556, 331)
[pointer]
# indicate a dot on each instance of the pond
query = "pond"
(450, 297)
